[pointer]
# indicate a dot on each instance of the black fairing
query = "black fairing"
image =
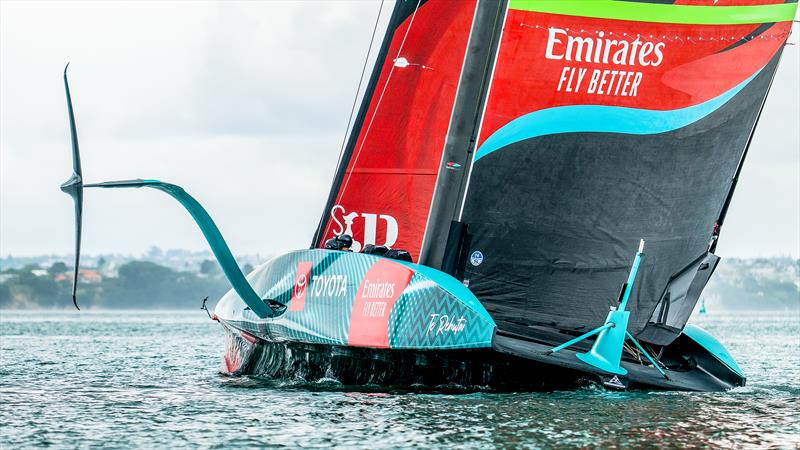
(678, 301)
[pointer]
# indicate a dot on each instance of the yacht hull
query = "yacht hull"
(367, 320)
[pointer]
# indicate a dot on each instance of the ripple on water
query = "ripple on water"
(151, 379)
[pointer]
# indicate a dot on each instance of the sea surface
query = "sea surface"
(151, 379)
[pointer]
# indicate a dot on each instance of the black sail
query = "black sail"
(569, 173)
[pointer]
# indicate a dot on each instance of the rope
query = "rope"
(360, 81)
(378, 104)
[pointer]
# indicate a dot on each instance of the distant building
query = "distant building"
(109, 269)
(90, 276)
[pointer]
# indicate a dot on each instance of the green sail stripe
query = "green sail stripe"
(662, 13)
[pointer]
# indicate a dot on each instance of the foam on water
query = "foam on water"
(151, 379)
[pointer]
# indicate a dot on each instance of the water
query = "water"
(151, 379)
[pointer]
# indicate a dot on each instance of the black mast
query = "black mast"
(462, 135)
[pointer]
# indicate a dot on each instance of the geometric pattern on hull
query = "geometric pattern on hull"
(360, 300)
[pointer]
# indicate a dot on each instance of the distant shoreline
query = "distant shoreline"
(179, 280)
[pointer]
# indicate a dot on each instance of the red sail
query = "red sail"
(679, 65)
(383, 196)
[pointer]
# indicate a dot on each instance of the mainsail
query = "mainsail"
(526, 146)
(608, 122)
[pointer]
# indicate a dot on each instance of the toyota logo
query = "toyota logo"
(300, 286)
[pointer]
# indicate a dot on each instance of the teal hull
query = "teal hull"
(359, 300)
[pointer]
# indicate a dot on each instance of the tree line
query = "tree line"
(138, 284)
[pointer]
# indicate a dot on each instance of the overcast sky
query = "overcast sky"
(245, 106)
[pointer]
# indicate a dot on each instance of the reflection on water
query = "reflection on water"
(151, 379)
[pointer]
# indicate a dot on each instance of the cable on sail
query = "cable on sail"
(360, 81)
(380, 99)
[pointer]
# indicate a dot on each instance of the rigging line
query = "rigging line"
(378, 104)
(360, 81)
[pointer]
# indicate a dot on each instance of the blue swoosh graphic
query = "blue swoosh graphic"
(602, 119)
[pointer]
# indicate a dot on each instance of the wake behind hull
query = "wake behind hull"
(418, 370)
(499, 369)
(458, 370)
